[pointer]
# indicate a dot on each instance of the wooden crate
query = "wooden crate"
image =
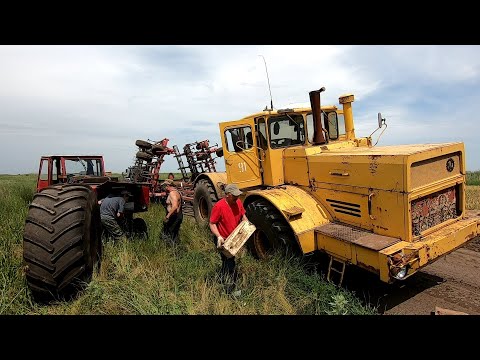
(237, 238)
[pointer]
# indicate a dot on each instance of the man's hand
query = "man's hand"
(165, 220)
(220, 241)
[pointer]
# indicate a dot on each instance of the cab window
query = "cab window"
(82, 166)
(239, 139)
(286, 130)
(341, 124)
(336, 125)
(332, 125)
(262, 134)
(44, 171)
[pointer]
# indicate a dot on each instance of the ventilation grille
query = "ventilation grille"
(433, 209)
(345, 207)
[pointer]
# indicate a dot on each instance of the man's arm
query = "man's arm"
(121, 208)
(214, 230)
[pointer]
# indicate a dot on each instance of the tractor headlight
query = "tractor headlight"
(400, 273)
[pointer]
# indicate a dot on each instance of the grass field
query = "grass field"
(149, 277)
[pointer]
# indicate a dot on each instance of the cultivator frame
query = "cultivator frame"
(195, 159)
(148, 162)
(199, 160)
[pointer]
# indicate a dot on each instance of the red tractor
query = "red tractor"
(62, 236)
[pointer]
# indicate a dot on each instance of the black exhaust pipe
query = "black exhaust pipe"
(318, 137)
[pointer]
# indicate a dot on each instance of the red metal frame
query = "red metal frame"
(62, 175)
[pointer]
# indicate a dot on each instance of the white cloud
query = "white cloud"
(100, 99)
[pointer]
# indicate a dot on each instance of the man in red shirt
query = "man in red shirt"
(226, 214)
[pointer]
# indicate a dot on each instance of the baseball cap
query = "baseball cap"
(167, 182)
(126, 192)
(233, 189)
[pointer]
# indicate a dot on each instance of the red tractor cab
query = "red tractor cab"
(62, 240)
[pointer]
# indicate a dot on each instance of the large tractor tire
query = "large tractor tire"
(273, 232)
(204, 198)
(61, 241)
(142, 144)
(144, 156)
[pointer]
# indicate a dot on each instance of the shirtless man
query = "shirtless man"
(174, 216)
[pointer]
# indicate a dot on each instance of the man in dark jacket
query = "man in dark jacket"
(111, 210)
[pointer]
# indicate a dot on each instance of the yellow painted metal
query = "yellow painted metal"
(353, 183)
(217, 179)
(242, 167)
(417, 254)
(337, 248)
(273, 171)
(296, 167)
(428, 164)
(431, 247)
(347, 100)
(287, 197)
(373, 184)
(306, 241)
(427, 172)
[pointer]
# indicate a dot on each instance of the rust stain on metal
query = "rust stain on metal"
(373, 164)
(399, 260)
(369, 267)
(346, 160)
(396, 258)
(356, 236)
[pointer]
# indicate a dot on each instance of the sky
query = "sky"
(98, 100)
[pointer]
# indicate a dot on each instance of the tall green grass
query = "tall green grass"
(150, 277)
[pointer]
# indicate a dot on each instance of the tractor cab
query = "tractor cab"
(255, 146)
(70, 169)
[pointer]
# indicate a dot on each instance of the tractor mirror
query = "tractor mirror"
(380, 120)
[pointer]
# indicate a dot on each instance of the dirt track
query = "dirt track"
(452, 282)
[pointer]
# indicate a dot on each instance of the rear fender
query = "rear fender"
(299, 208)
(217, 179)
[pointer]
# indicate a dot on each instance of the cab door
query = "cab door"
(43, 173)
(241, 155)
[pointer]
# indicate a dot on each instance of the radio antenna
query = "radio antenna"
(268, 79)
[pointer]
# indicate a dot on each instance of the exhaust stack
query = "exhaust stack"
(318, 136)
(346, 100)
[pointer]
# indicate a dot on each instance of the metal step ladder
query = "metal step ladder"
(181, 166)
(331, 267)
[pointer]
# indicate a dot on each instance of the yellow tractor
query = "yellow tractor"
(310, 185)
